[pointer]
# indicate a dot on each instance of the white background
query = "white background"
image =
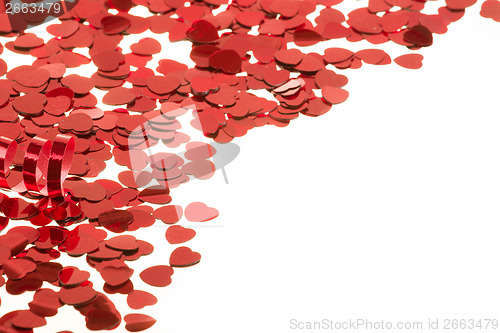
(386, 208)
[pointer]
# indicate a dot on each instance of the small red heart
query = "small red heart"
(77, 295)
(410, 61)
(138, 299)
(45, 303)
(64, 29)
(108, 60)
(157, 276)
(203, 85)
(114, 276)
(275, 77)
(202, 32)
(169, 214)
(72, 276)
(183, 257)
(122, 243)
(16, 269)
(177, 234)
(199, 212)
(418, 35)
(228, 61)
(491, 9)
(102, 319)
(146, 46)
(28, 320)
(137, 322)
(124, 289)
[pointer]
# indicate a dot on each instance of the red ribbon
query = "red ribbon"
(60, 160)
(46, 164)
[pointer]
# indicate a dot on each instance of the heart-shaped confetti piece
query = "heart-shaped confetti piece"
(27, 320)
(138, 299)
(115, 276)
(202, 32)
(200, 212)
(45, 303)
(176, 234)
(72, 276)
(16, 269)
(158, 276)
(136, 322)
(228, 61)
(169, 214)
(184, 257)
(418, 35)
(410, 61)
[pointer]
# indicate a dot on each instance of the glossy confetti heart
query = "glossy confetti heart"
(184, 257)
(410, 61)
(137, 322)
(202, 32)
(177, 234)
(115, 276)
(138, 299)
(418, 35)
(200, 212)
(169, 214)
(72, 276)
(45, 303)
(158, 276)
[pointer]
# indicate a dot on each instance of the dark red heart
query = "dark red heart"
(418, 36)
(228, 61)
(136, 322)
(202, 32)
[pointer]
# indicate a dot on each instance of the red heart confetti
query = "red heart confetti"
(202, 32)
(138, 299)
(137, 322)
(169, 214)
(200, 212)
(158, 276)
(410, 61)
(72, 276)
(115, 276)
(183, 257)
(28, 320)
(226, 60)
(177, 234)
(16, 269)
(45, 303)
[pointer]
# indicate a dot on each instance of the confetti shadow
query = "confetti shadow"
(199, 160)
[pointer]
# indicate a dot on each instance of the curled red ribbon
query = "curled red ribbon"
(60, 160)
(46, 164)
(35, 166)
